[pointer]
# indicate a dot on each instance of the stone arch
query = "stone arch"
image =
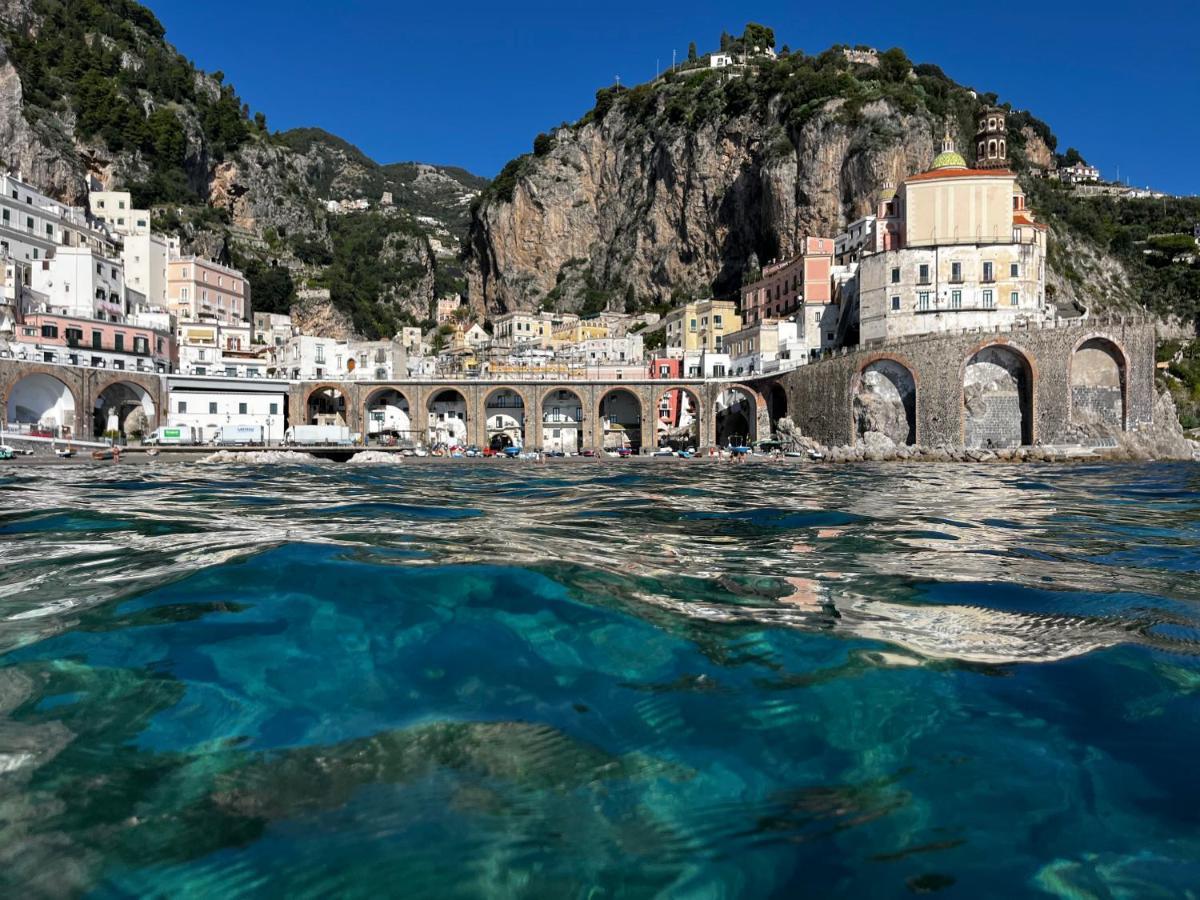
(883, 399)
(561, 409)
(677, 418)
(505, 417)
(1098, 372)
(446, 411)
(388, 415)
(45, 400)
(736, 421)
(125, 407)
(777, 404)
(999, 389)
(620, 417)
(327, 404)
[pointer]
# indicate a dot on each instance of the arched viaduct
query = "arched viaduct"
(975, 388)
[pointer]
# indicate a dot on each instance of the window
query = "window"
(141, 345)
(231, 371)
(895, 275)
(49, 331)
(29, 222)
(988, 272)
(182, 406)
(96, 340)
(200, 370)
(118, 342)
(924, 273)
(50, 231)
(717, 322)
(956, 272)
(241, 409)
(183, 293)
(274, 409)
(923, 300)
(895, 304)
(692, 325)
(212, 409)
(989, 300)
(956, 299)
(6, 215)
(1014, 299)
(1014, 271)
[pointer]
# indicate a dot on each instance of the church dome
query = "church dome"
(949, 159)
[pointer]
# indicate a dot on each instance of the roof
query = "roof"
(960, 173)
(1022, 219)
(949, 159)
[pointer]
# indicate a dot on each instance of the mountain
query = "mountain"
(686, 186)
(91, 91)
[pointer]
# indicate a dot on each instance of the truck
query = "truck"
(231, 435)
(172, 436)
(309, 435)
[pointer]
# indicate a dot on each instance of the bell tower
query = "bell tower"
(991, 139)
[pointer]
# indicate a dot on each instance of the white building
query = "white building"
(313, 358)
(1079, 173)
(78, 281)
(209, 404)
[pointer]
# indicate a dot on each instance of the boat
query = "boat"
(64, 452)
(106, 453)
(6, 452)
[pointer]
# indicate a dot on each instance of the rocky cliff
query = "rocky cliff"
(688, 185)
(641, 213)
(93, 92)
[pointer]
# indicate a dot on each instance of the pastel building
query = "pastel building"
(199, 288)
(786, 286)
(74, 341)
(700, 326)
(955, 248)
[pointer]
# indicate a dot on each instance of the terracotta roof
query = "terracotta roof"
(1021, 219)
(961, 173)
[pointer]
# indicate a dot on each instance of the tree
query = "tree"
(759, 36)
(725, 40)
(542, 144)
(894, 65)
(1074, 157)
(692, 52)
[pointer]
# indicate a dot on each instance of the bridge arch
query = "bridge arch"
(506, 416)
(620, 417)
(883, 399)
(735, 419)
(446, 417)
(1098, 373)
(388, 415)
(124, 407)
(328, 404)
(562, 420)
(999, 395)
(42, 399)
(677, 418)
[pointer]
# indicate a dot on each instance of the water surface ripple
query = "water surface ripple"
(599, 679)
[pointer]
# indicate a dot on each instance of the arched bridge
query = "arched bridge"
(987, 389)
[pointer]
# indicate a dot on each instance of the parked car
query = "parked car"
(472, 451)
(624, 452)
(555, 453)
(590, 454)
(664, 451)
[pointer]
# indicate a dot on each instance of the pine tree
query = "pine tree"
(692, 52)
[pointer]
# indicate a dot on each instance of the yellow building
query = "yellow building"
(578, 332)
(700, 325)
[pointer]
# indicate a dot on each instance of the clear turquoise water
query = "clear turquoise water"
(600, 680)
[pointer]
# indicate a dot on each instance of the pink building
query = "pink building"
(785, 286)
(200, 289)
(90, 342)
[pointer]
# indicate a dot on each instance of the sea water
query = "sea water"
(599, 679)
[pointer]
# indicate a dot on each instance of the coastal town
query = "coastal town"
(949, 250)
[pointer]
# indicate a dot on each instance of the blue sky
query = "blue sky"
(471, 83)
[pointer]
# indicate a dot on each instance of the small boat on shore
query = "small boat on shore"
(64, 452)
(106, 453)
